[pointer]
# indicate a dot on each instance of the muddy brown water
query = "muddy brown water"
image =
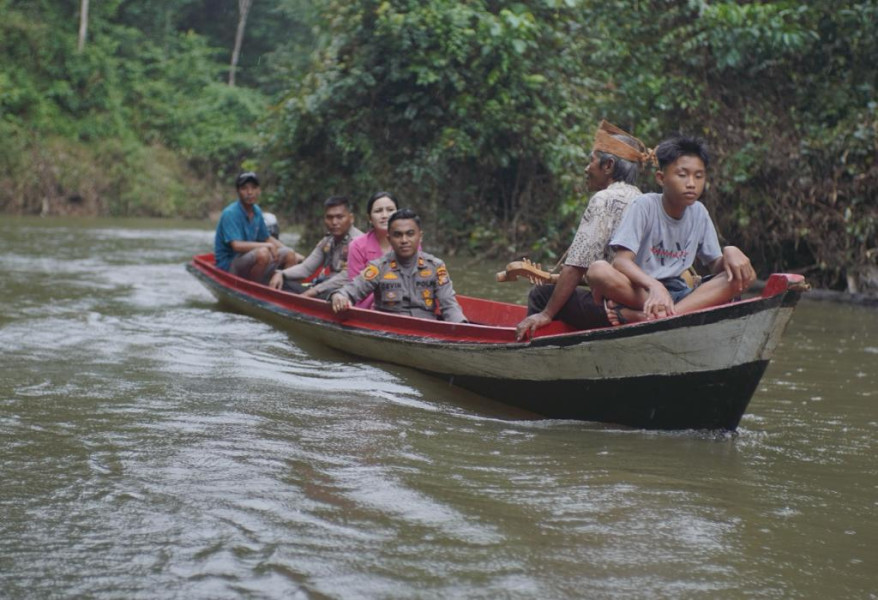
(154, 445)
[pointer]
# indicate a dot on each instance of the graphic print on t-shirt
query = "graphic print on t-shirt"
(672, 255)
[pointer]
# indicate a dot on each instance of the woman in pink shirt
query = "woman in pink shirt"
(375, 243)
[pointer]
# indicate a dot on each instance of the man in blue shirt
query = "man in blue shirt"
(242, 245)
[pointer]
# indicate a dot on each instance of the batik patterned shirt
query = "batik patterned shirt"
(600, 219)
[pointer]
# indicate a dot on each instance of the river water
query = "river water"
(154, 445)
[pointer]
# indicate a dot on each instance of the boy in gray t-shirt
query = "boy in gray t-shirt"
(660, 237)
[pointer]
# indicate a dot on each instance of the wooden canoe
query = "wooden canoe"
(692, 371)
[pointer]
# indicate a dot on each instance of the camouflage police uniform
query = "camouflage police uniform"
(329, 260)
(414, 290)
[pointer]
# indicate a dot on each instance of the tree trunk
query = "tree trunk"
(243, 11)
(83, 24)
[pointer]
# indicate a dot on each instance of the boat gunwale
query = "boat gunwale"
(423, 331)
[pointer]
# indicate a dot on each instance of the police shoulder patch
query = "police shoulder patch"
(370, 273)
(442, 275)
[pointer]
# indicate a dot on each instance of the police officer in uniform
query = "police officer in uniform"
(328, 261)
(405, 280)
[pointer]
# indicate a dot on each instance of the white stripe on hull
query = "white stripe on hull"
(696, 348)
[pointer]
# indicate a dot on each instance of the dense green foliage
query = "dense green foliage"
(139, 122)
(478, 113)
(453, 106)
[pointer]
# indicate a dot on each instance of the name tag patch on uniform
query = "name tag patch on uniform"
(370, 273)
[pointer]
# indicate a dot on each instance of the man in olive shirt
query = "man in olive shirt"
(328, 260)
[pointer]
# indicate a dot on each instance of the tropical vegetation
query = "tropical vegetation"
(478, 113)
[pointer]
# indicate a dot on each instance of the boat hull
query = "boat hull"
(698, 400)
(698, 370)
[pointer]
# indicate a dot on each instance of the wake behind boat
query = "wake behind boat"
(692, 371)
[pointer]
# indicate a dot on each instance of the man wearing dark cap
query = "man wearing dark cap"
(242, 245)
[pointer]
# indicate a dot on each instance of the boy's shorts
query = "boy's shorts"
(677, 288)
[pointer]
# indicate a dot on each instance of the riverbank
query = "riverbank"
(818, 294)
(842, 297)
(52, 175)
(837, 296)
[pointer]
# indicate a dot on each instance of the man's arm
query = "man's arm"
(337, 281)
(275, 242)
(589, 245)
(353, 291)
(737, 266)
(300, 271)
(567, 281)
(278, 245)
(448, 304)
(241, 247)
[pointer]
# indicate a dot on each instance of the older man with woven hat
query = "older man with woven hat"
(612, 171)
